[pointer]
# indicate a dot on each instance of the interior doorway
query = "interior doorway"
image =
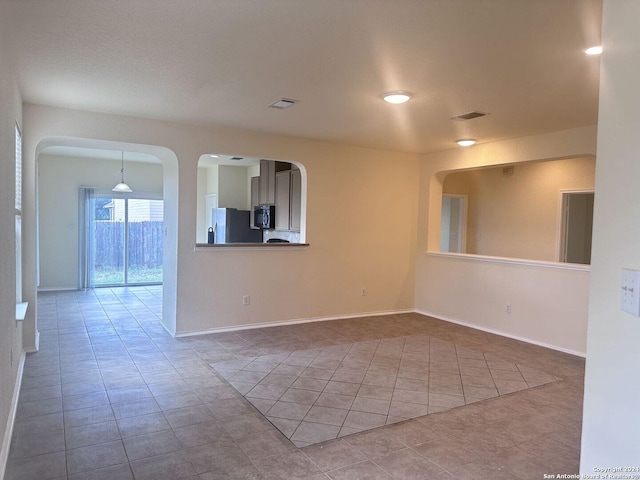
(85, 147)
(453, 227)
(577, 227)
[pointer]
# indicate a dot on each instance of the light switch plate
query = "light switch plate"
(630, 294)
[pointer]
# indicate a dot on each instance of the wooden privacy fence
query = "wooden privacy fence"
(145, 244)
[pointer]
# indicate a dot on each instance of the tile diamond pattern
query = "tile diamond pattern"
(321, 394)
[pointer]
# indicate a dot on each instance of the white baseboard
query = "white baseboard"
(249, 326)
(503, 334)
(234, 328)
(36, 347)
(57, 289)
(170, 332)
(8, 432)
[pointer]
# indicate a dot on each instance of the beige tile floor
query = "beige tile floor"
(319, 394)
(111, 395)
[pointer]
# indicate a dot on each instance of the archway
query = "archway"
(169, 162)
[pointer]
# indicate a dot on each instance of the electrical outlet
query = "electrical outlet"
(246, 300)
(363, 291)
(507, 308)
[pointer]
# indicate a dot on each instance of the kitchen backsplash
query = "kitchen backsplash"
(292, 237)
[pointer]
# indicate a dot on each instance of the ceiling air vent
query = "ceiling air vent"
(468, 116)
(283, 103)
(237, 159)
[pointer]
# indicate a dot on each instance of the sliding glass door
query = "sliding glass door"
(127, 241)
(144, 241)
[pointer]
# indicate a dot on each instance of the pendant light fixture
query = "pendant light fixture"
(122, 187)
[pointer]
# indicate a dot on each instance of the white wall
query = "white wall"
(611, 426)
(548, 301)
(58, 183)
(348, 250)
(10, 331)
(212, 178)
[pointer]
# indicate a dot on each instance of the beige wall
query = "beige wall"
(548, 301)
(348, 250)
(58, 183)
(11, 352)
(232, 187)
(611, 426)
(518, 215)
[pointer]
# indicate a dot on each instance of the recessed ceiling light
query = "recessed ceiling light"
(396, 97)
(594, 50)
(466, 142)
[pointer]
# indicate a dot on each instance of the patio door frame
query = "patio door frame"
(126, 198)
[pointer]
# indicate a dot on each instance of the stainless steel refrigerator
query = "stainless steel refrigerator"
(233, 226)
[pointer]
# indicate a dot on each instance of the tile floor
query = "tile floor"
(315, 395)
(111, 395)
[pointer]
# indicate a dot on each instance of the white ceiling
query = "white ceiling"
(221, 62)
(228, 160)
(100, 154)
(127, 156)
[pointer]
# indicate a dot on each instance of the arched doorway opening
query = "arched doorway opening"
(92, 148)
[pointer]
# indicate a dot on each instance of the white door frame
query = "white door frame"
(462, 220)
(561, 237)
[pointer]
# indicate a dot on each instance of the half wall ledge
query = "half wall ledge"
(514, 261)
(202, 247)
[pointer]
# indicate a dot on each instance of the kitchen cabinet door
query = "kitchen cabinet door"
(283, 186)
(296, 200)
(267, 182)
(255, 198)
